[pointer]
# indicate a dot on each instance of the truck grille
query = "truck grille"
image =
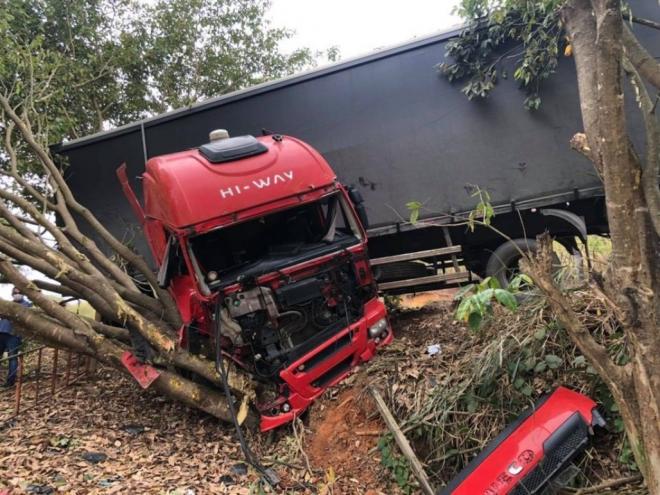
(568, 441)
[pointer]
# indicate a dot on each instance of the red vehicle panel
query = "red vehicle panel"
(532, 450)
(185, 189)
(263, 250)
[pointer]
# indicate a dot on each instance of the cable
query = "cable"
(267, 474)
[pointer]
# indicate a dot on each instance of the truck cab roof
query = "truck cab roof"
(228, 176)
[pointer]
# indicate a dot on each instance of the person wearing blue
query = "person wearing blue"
(9, 341)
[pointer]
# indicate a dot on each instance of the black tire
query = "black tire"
(401, 270)
(503, 263)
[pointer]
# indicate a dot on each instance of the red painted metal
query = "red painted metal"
(144, 374)
(187, 195)
(184, 189)
(300, 380)
(130, 195)
(522, 449)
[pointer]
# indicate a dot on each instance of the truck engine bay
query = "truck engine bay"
(280, 325)
(286, 298)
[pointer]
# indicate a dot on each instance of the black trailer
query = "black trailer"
(389, 124)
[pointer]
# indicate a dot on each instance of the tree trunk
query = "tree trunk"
(632, 281)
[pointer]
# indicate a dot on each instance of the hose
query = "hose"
(267, 474)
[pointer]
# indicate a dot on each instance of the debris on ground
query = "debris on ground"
(105, 435)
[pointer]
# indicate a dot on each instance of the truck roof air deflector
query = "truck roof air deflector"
(230, 149)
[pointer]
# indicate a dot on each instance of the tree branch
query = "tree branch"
(540, 269)
(651, 169)
(644, 62)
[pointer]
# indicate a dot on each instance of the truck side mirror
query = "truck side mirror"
(358, 204)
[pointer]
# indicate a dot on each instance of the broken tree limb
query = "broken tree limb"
(402, 442)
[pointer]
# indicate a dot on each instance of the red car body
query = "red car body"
(534, 449)
(190, 204)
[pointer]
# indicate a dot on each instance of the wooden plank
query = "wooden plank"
(445, 232)
(423, 280)
(402, 442)
(416, 255)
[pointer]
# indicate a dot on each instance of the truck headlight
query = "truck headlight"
(378, 327)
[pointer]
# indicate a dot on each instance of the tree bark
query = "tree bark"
(598, 35)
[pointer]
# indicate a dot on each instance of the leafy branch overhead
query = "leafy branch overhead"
(502, 37)
(110, 62)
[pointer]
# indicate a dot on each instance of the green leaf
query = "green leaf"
(474, 320)
(540, 334)
(506, 299)
(463, 291)
(540, 367)
(464, 309)
(493, 283)
(414, 216)
(553, 361)
(580, 362)
(519, 281)
(527, 390)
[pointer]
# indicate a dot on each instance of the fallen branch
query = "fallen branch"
(403, 443)
(609, 485)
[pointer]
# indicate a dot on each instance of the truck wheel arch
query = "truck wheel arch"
(505, 258)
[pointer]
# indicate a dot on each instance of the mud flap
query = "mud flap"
(144, 374)
(533, 453)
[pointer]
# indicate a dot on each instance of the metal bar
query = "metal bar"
(68, 368)
(144, 143)
(54, 371)
(527, 204)
(415, 256)
(37, 384)
(19, 384)
(21, 405)
(424, 280)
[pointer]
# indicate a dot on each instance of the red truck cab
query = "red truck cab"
(262, 228)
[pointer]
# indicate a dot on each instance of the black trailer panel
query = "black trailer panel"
(388, 123)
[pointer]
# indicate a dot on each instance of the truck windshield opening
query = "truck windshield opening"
(273, 241)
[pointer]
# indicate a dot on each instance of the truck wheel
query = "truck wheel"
(401, 270)
(503, 263)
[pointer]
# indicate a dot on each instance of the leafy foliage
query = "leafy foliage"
(501, 32)
(483, 211)
(395, 463)
(107, 62)
(476, 300)
(414, 207)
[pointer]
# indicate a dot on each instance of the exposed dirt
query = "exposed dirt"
(345, 433)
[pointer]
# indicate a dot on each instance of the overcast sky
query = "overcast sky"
(358, 27)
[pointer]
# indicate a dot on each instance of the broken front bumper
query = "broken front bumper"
(533, 450)
(309, 376)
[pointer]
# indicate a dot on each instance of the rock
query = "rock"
(133, 429)
(239, 469)
(109, 482)
(39, 489)
(227, 480)
(94, 457)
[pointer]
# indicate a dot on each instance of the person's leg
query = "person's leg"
(4, 339)
(13, 346)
